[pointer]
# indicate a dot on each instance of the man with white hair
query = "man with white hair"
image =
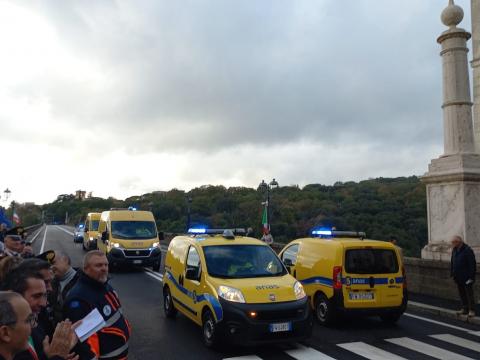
(463, 269)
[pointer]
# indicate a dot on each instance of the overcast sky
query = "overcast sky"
(127, 97)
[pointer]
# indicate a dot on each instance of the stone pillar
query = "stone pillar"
(476, 70)
(453, 180)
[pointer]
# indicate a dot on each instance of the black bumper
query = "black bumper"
(239, 328)
(117, 257)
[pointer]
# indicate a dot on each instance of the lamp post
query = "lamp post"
(6, 193)
(189, 202)
(263, 186)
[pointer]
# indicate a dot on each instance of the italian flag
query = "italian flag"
(16, 218)
(266, 228)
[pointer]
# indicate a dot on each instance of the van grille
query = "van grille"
(134, 253)
(274, 315)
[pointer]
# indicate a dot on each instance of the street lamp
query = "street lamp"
(267, 188)
(6, 193)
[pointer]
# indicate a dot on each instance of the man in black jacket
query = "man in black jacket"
(92, 291)
(65, 279)
(463, 269)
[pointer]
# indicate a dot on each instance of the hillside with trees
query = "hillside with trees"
(381, 207)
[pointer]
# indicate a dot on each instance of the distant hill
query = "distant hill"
(382, 207)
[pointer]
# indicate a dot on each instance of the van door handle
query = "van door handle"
(180, 280)
(294, 273)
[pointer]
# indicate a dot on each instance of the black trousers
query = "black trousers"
(466, 295)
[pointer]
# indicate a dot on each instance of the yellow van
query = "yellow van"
(234, 287)
(91, 231)
(342, 272)
(129, 237)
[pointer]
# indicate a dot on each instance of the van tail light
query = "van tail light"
(404, 274)
(337, 277)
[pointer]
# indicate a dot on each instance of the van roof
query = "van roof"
(94, 215)
(126, 215)
(348, 242)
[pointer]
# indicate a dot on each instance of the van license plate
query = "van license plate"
(360, 296)
(137, 261)
(281, 327)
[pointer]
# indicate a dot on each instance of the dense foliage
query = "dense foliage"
(381, 207)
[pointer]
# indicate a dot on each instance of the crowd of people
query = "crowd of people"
(43, 300)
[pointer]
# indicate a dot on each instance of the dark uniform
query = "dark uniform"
(111, 342)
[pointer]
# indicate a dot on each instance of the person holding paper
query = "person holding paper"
(31, 287)
(96, 303)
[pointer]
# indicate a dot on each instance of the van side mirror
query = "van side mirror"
(288, 262)
(104, 236)
(161, 236)
(192, 273)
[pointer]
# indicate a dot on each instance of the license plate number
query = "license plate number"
(281, 327)
(361, 296)
(137, 261)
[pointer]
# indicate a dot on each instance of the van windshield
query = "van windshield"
(134, 229)
(242, 261)
(371, 261)
(94, 224)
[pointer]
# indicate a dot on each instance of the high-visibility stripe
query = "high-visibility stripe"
(110, 302)
(112, 320)
(115, 332)
(94, 344)
(115, 297)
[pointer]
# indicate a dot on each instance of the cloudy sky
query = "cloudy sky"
(126, 97)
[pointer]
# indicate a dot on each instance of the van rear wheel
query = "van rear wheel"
(324, 310)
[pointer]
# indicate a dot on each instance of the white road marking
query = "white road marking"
(307, 353)
(455, 340)
(369, 351)
(64, 230)
(246, 357)
(36, 235)
(438, 322)
(477, 333)
(427, 349)
(43, 241)
(159, 275)
(154, 276)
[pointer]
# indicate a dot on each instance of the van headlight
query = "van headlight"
(155, 244)
(230, 294)
(299, 290)
(91, 238)
(116, 245)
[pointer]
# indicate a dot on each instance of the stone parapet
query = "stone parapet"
(432, 278)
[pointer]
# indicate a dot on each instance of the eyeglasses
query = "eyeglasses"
(31, 320)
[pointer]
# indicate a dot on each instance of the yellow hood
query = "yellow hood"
(261, 290)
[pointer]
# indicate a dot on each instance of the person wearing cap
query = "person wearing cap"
(3, 231)
(13, 245)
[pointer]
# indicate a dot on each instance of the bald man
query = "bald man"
(463, 269)
(16, 321)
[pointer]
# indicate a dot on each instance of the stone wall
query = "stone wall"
(432, 277)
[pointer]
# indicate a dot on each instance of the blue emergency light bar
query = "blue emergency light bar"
(322, 232)
(205, 231)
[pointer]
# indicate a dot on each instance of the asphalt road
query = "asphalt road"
(155, 337)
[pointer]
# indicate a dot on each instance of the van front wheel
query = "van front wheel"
(209, 329)
(168, 307)
(324, 310)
